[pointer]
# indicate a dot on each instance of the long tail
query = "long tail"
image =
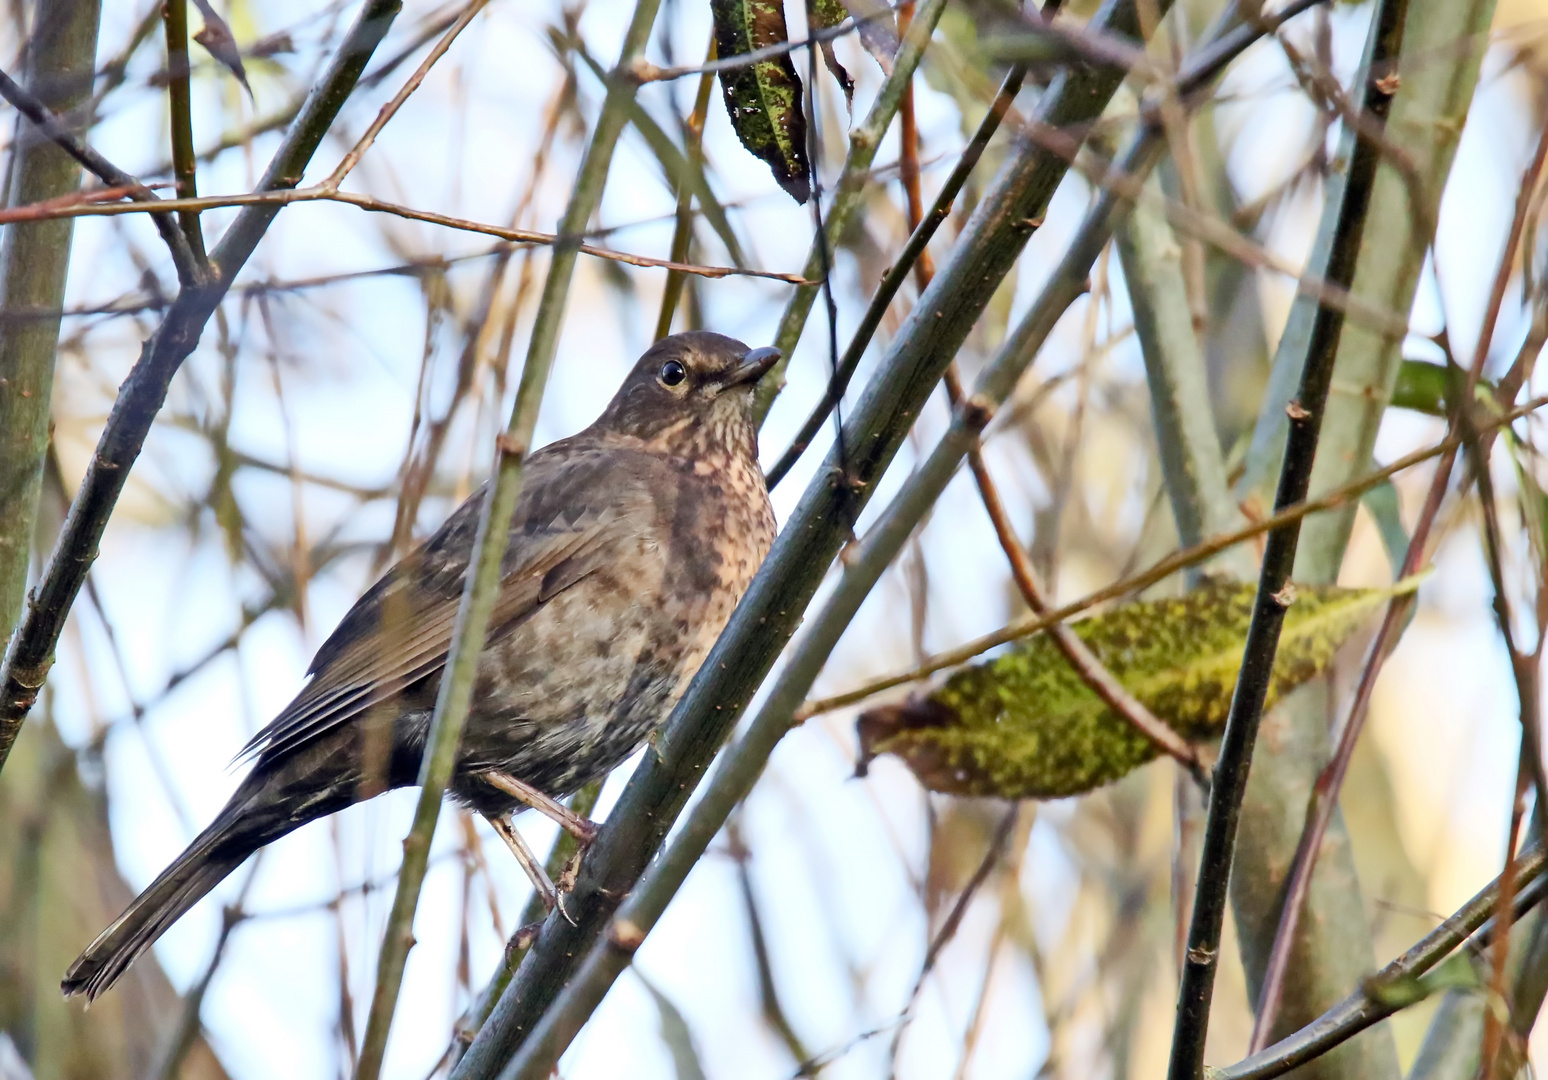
(274, 799)
(196, 871)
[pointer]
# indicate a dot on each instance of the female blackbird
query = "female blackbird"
(630, 546)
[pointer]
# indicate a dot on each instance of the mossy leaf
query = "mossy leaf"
(764, 99)
(1024, 725)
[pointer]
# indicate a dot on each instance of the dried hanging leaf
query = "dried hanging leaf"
(1024, 725)
(825, 15)
(218, 42)
(764, 99)
(878, 30)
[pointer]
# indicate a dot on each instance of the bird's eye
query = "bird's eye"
(673, 373)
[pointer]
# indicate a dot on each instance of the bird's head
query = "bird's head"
(691, 396)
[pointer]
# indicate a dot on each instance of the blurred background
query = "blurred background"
(345, 398)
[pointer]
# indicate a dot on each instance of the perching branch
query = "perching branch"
(784, 586)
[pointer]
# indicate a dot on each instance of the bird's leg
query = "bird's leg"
(584, 831)
(506, 830)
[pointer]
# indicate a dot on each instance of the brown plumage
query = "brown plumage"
(630, 546)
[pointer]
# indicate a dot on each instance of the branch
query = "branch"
(1383, 993)
(31, 650)
(1275, 593)
(86, 207)
(482, 586)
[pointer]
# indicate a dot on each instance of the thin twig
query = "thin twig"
(948, 928)
(768, 993)
(643, 71)
(898, 273)
(383, 206)
(1382, 995)
(389, 110)
(119, 183)
(1085, 662)
(277, 199)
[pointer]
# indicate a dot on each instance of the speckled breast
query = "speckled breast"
(575, 690)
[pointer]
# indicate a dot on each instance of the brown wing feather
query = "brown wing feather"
(369, 670)
(557, 540)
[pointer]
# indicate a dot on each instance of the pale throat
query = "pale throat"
(712, 442)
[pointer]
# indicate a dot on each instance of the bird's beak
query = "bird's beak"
(754, 366)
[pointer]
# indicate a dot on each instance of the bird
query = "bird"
(630, 545)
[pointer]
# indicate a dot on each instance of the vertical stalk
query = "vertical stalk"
(482, 585)
(34, 258)
(1293, 798)
(174, 16)
(1192, 465)
(1275, 593)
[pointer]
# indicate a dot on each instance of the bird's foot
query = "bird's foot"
(584, 830)
(572, 870)
(506, 830)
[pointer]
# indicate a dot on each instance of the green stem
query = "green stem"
(174, 14)
(34, 258)
(482, 586)
(1191, 462)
